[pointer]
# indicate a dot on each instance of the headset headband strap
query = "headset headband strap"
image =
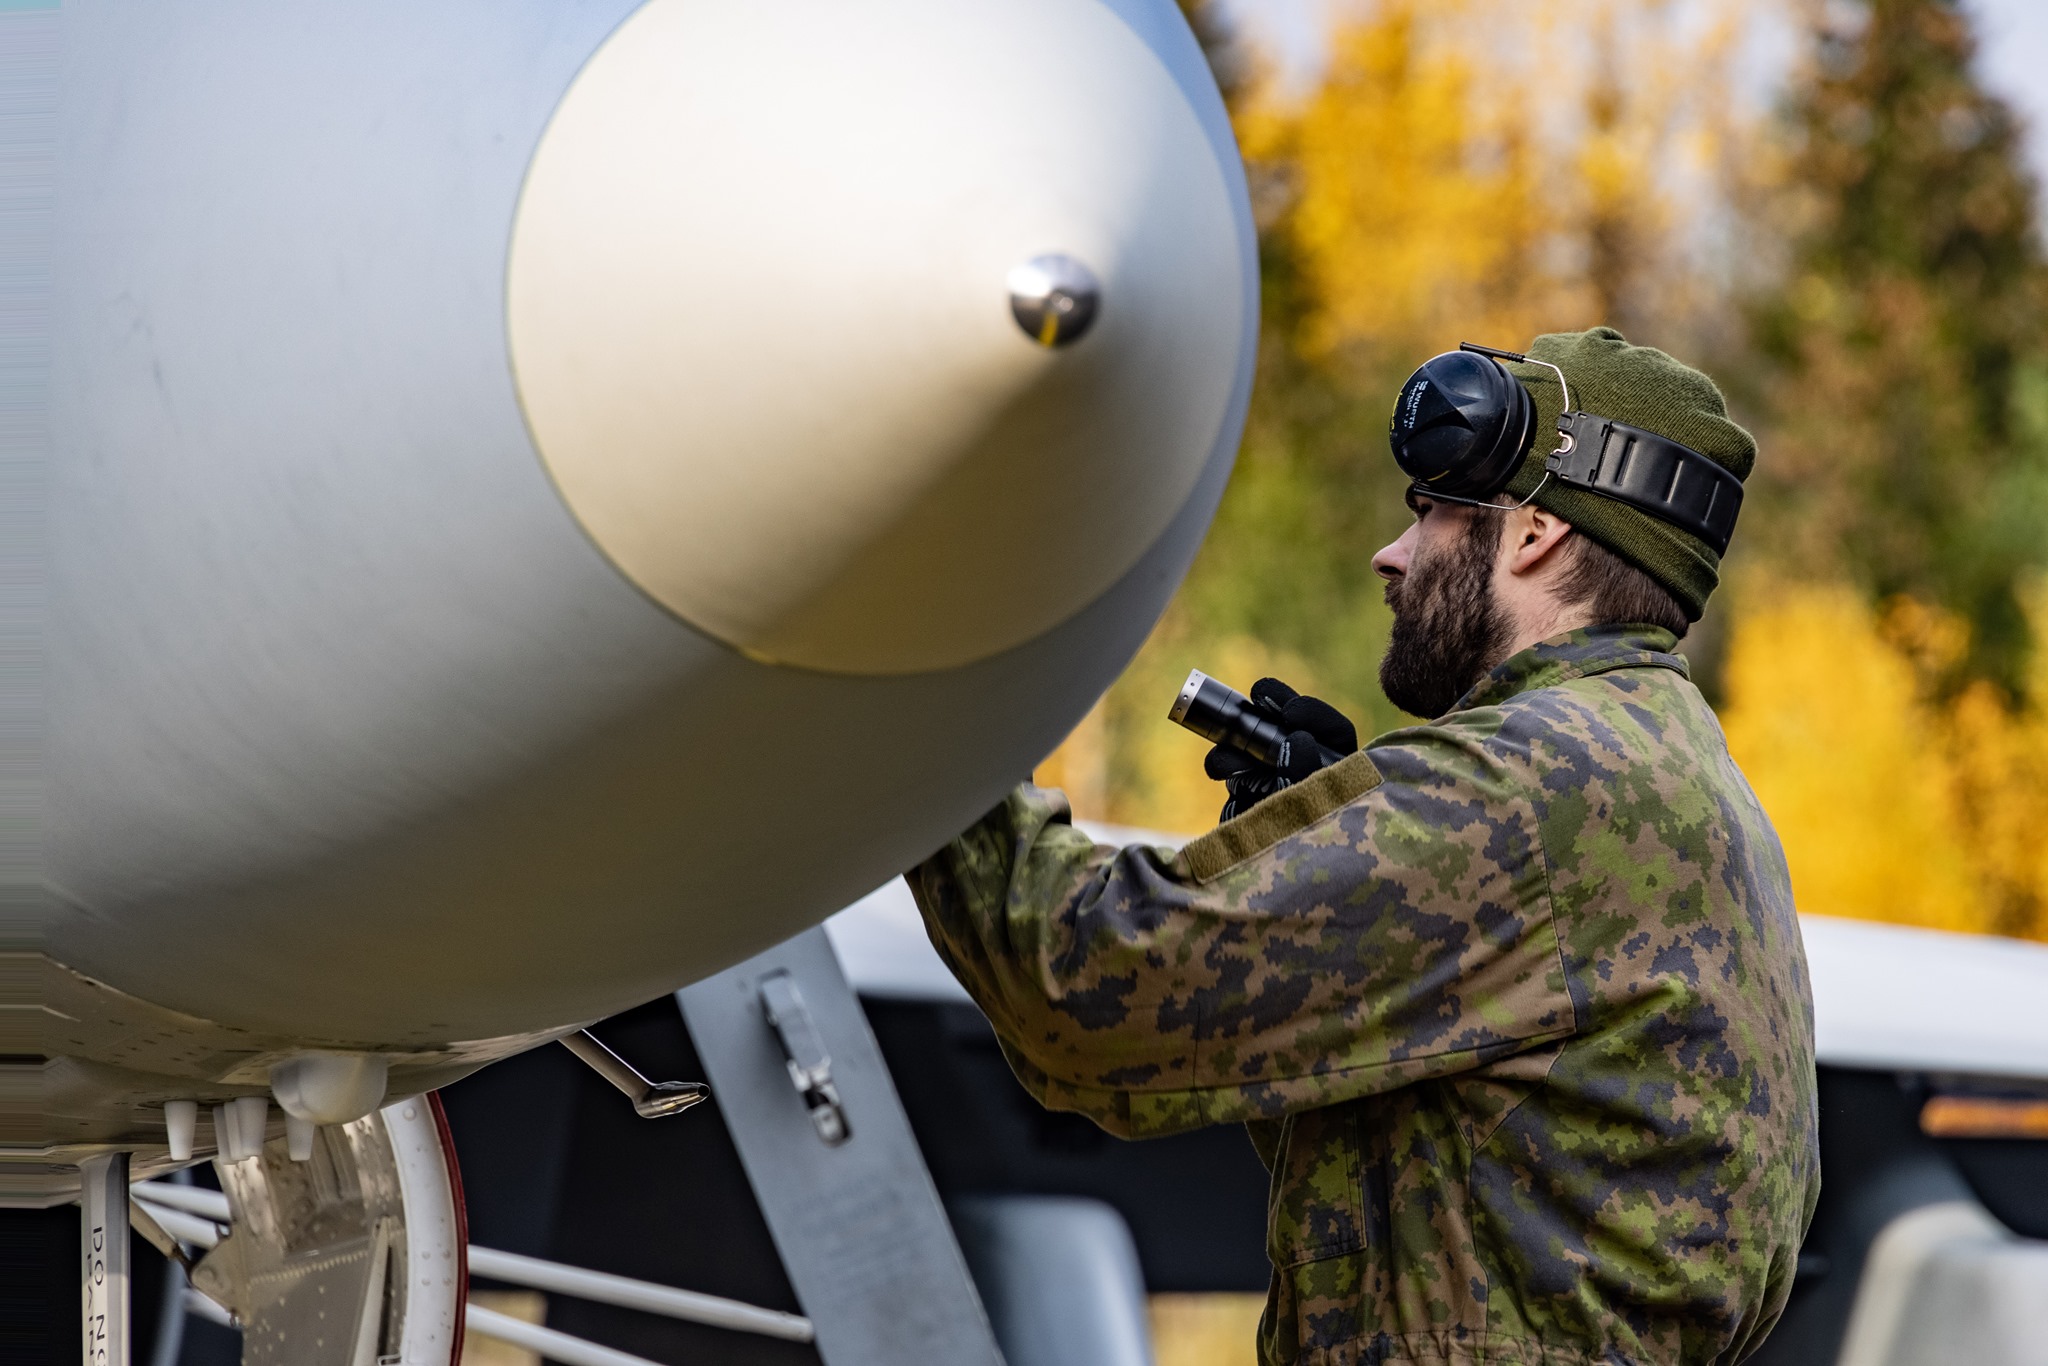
(1670, 482)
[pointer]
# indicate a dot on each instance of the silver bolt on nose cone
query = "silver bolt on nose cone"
(1054, 298)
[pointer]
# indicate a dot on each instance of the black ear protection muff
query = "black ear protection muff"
(1463, 424)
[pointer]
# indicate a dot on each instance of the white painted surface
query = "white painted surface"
(555, 1346)
(435, 1286)
(186, 1228)
(355, 741)
(885, 952)
(1948, 1283)
(206, 1307)
(1894, 996)
(688, 1305)
(103, 1236)
(210, 1205)
(900, 489)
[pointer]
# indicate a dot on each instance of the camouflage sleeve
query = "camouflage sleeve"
(1345, 937)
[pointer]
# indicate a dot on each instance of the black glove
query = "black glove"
(1318, 736)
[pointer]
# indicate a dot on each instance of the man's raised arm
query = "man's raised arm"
(1345, 937)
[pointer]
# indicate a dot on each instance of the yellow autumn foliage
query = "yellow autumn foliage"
(1893, 802)
(1466, 169)
(1414, 185)
(1205, 1330)
(1825, 718)
(1487, 170)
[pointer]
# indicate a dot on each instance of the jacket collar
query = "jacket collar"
(1577, 654)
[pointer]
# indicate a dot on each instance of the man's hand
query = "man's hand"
(1316, 730)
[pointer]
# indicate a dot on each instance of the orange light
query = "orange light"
(1984, 1117)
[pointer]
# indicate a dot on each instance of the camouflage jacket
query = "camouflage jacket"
(1514, 1005)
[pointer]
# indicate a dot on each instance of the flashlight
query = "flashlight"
(1224, 716)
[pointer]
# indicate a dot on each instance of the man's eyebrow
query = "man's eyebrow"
(1414, 500)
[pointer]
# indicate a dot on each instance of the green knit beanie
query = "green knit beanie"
(1645, 388)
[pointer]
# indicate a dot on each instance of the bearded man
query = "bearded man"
(1512, 1003)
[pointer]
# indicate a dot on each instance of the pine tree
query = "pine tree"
(1906, 386)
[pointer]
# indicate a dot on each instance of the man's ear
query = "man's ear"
(1534, 535)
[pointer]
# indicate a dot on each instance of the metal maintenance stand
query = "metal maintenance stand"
(801, 1084)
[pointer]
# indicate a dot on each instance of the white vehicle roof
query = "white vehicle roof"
(1927, 1000)
(1884, 996)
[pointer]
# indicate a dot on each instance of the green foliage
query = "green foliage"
(1904, 354)
(1316, 493)
(1489, 170)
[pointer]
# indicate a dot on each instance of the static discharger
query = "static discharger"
(651, 1100)
(238, 1127)
(181, 1122)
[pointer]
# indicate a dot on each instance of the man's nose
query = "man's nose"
(1392, 561)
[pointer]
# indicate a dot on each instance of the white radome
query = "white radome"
(939, 493)
(543, 503)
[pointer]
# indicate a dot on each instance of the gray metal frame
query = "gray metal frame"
(858, 1223)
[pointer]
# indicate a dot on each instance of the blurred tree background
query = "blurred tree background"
(1855, 256)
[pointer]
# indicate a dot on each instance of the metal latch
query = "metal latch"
(810, 1067)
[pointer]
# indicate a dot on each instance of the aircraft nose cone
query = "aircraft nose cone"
(880, 338)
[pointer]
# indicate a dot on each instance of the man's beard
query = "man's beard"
(1449, 629)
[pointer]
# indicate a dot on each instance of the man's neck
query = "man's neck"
(1538, 618)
